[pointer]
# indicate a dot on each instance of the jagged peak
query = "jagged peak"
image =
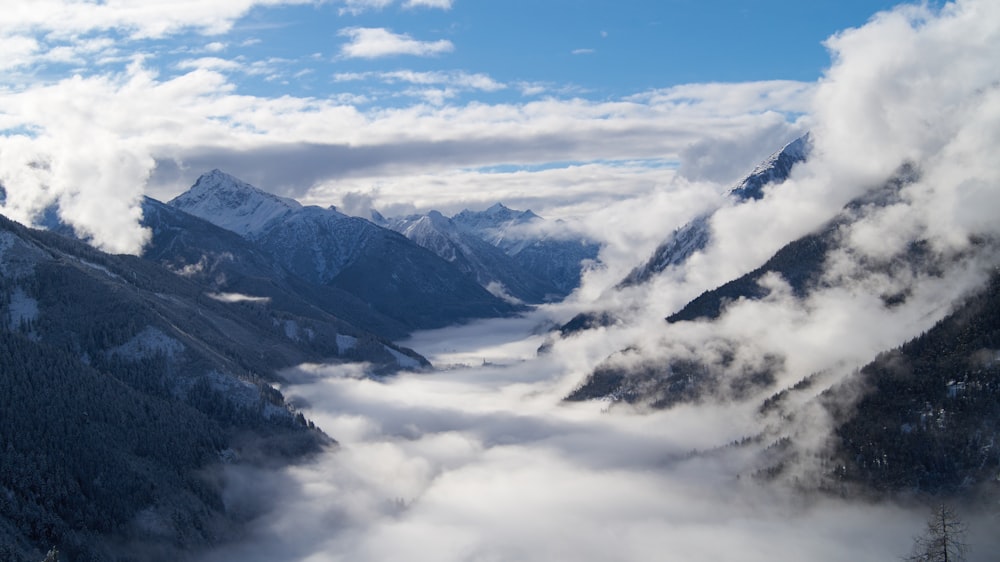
(232, 203)
(774, 168)
(497, 212)
(216, 181)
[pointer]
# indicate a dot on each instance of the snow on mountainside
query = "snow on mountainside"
(499, 225)
(487, 264)
(523, 236)
(775, 169)
(696, 235)
(324, 248)
(226, 263)
(233, 204)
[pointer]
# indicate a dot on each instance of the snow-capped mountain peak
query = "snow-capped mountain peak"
(496, 224)
(233, 204)
(775, 169)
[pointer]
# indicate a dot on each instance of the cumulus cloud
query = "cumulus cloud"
(377, 42)
(78, 159)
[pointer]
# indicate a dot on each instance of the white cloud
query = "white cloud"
(376, 42)
(356, 7)
(140, 18)
(583, 51)
(439, 4)
(210, 63)
(477, 81)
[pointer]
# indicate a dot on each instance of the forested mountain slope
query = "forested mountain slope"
(122, 384)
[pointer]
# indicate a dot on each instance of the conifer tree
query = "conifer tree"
(943, 540)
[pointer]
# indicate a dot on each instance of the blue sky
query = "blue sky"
(596, 49)
(404, 105)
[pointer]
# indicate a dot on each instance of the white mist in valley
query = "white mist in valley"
(484, 461)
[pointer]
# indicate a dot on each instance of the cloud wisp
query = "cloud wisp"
(377, 42)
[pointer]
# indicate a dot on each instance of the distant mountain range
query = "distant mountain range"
(395, 277)
(504, 250)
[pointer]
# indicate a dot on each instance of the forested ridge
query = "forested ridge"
(929, 417)
(123, 387)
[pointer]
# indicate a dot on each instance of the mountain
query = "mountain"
(800, 262)
(928, 419)
(395, 277)
(232, 204)
(696, 235)
(633, 377)
(485, 263)
(229, 265)
(123, 386)
(499, 225)
(537, 249)
(921, 419)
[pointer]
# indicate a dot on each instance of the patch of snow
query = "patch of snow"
(22, 308)
(17, 256)
(292, 330)
(147, 343)
(97, 267)
(151, 522)
(404, 361)
(345, 343)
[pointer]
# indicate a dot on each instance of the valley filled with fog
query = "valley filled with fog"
(482, 461)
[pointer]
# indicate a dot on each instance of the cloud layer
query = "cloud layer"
(99, 75)
(477, 463)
